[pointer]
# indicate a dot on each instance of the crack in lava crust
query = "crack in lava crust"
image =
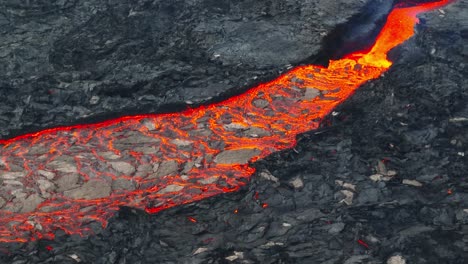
(64, 178)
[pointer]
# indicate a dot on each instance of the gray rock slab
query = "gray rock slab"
(67, 181)
(48, 174)
(12, 175)
(236, 156)
(108, 155)
(310, 93)
(260, 103)
(123, 184)
(147, 149)
(30, 204)
(171, 188)
(123, 167)
(63, 165)
(181, 142)
(92, 189)
(396, 260)
(45, 185)
(257, 132)
(165, 168)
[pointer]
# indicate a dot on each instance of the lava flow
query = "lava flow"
(64, 178)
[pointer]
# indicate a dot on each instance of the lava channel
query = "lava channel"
(64, 178)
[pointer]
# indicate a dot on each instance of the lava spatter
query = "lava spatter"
(64, 178)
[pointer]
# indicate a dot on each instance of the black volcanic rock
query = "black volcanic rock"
(68, 60)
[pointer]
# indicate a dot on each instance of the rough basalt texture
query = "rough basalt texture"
(383, 182)
(69, 60)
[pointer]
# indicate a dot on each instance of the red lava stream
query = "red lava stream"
(66, 177)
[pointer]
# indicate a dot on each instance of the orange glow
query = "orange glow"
(191, 219)
(276, 112)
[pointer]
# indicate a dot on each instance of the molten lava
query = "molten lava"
(66, 177)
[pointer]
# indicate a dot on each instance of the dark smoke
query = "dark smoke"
(359, 33)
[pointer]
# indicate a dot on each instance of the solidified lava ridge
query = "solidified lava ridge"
(64, 178)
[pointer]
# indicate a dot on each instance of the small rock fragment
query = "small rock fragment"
(38, 150)
(372, 239)
(149, 124)
(376, 177)
(36, 225)
(396, 260)
(346, 185)
(336, 228)
(311, 93)
(9, 175)
(236, 156)
(44, 186)
(459, 119)
(66, 165)
(123, 167)
(200, 250)
(257, 132)
(380, 177)
(188, 166)
(208, 180)
(236, 255)
(165, 168)
(201, 132)
(349, 195)
(297, 183)
(271, 244)
(13, 182)
(67, 181)
(349, 186)
(144, 167)
(268, 176)
(30, 204)
(75, 257)
(92, 189)
(108, 155)
(94, 100)
(181, 142)
(146, 150)
(48, 174)
(171, 188)
(260, 103)
(123, 184)
(414, 183)
(19, 194)
(234, 126)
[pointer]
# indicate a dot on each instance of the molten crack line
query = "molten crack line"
(66, 177)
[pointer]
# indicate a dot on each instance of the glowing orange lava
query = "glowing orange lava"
(66, 177)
